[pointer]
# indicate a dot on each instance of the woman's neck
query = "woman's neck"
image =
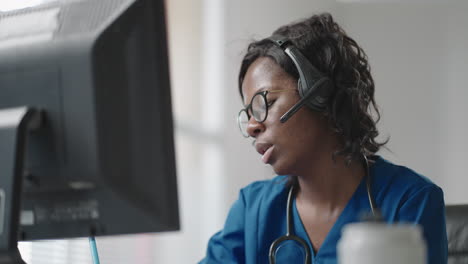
(329, 184)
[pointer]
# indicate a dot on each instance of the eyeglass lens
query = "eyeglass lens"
(258, 109)
(243, 121)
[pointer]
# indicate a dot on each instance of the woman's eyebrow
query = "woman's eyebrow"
(272, 88)
(269, 87)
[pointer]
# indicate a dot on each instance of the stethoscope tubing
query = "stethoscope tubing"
(289, 234)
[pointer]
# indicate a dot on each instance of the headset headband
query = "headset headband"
(307, 72)
(310, 85)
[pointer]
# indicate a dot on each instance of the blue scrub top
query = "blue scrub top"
(258, 217)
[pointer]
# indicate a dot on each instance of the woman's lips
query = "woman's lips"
(266, 156)
(264, 149)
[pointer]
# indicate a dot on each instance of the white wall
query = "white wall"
(419, 61)
(455, 107)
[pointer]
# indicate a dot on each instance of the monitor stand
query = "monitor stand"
(15, 123)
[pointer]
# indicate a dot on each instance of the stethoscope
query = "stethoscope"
(289, 223)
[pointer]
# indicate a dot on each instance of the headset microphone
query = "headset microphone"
(301, 102)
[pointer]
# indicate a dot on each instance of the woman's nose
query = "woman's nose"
(254, 128)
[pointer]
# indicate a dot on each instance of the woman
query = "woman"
(309, 99)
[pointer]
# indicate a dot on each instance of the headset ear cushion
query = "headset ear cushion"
(316, 95)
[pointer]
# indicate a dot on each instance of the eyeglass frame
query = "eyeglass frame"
(263, 93)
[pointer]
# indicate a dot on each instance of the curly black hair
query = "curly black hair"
(351, 109)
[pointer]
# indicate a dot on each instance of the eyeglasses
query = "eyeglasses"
(258, 108)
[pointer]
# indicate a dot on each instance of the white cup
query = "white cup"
(381, 243)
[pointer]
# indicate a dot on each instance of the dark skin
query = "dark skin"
(303, 146)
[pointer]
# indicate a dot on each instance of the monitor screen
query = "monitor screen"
(102, 161)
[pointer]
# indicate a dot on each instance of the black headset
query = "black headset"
(314, 87)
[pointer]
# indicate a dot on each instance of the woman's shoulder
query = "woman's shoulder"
(399, 179)
(391, 171)
(265, 189)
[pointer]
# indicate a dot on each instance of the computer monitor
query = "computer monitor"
(102, 159)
